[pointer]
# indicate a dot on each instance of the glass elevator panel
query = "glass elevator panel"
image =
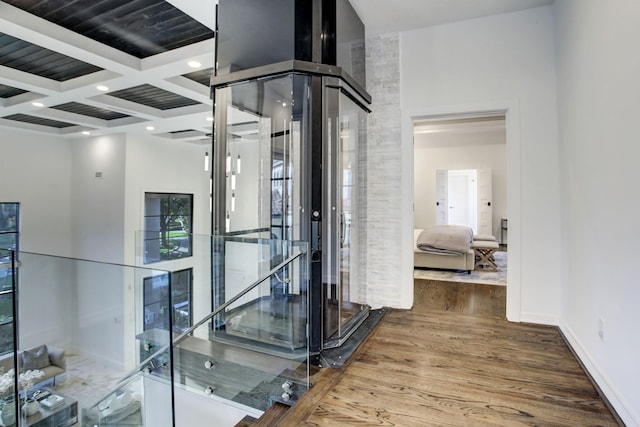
(263, 189)
(264, 123)
(344, 123)
(259, 204)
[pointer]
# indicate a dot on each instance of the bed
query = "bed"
(444, 247)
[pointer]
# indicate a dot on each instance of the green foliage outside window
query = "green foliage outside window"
(9, 229)
(168, 226)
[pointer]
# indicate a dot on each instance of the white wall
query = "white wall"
(35, 170)
(498, 63)
(97, 214)
(429, 159)
(98, 202)
(164, 166)
(194, 409)
(67, 210)
(598, 71)
(47, 311)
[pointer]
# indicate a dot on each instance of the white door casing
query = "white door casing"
(442, 192)
(485, 204)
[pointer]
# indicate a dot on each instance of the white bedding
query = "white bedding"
(445, 239)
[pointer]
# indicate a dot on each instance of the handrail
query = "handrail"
(129, 376)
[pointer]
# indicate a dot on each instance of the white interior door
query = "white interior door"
(485, 208)
(442, 194)
(458, 199)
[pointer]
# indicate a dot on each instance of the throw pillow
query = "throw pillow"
(36, 358)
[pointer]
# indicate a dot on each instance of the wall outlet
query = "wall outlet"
(601, 328)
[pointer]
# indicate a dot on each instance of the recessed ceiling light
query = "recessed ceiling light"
(37, 104)
(209, 119)
(150, 128)
(86, 132)
(102, 88)
(194, 64)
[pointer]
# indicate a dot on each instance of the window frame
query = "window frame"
(164, 288)
(8, 293)
(157, 228)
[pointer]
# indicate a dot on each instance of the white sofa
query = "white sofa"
(443, 261)
(52, 363)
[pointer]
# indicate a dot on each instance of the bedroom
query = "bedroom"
(460, 177)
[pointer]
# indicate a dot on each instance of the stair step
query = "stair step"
(247, 421)
(272, 416)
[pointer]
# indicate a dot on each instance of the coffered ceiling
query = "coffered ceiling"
(72, 67)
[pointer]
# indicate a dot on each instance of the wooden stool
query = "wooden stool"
(484, 251)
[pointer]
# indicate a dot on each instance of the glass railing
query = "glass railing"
(271, 317)
(102, 344)
(75, 338)
(248, 351)
(249, 368)
(130, 404)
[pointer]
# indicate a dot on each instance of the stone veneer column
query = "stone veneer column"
(380, 217)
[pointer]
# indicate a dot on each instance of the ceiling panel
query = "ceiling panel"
(154, 97)
(203, 76)
(30, 58)
(384, 16)
(89, 110)
(9, 91)
(140, 28)
(25, 118)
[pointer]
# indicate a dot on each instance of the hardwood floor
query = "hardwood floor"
(453, 361)
(465, 298)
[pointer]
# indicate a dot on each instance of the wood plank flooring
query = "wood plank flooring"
(454, 361)
(466, 298)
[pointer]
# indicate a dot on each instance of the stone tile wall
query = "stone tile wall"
(380, 218)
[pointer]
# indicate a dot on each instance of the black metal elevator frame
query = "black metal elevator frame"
(310, 228)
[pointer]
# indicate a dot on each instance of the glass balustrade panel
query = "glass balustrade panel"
(256, 352)
(265, 328)
(77, 335)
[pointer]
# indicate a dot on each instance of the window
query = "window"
(9, 229)
(167, 226)
(156, 301)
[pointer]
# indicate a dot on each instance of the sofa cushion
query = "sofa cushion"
(57, 356)
(36, 358)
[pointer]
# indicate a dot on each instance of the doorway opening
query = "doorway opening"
(460, 176)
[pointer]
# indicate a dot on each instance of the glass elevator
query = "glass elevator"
(289, 143)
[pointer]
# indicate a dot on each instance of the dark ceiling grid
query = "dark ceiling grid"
(202, 76)
(25, 118)
(178, 132)
(30, 58)
(154, 97)
(90, 111)
(140, 28)
(10, 91)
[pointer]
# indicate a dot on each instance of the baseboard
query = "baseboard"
(622, 411)
(539, 319)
